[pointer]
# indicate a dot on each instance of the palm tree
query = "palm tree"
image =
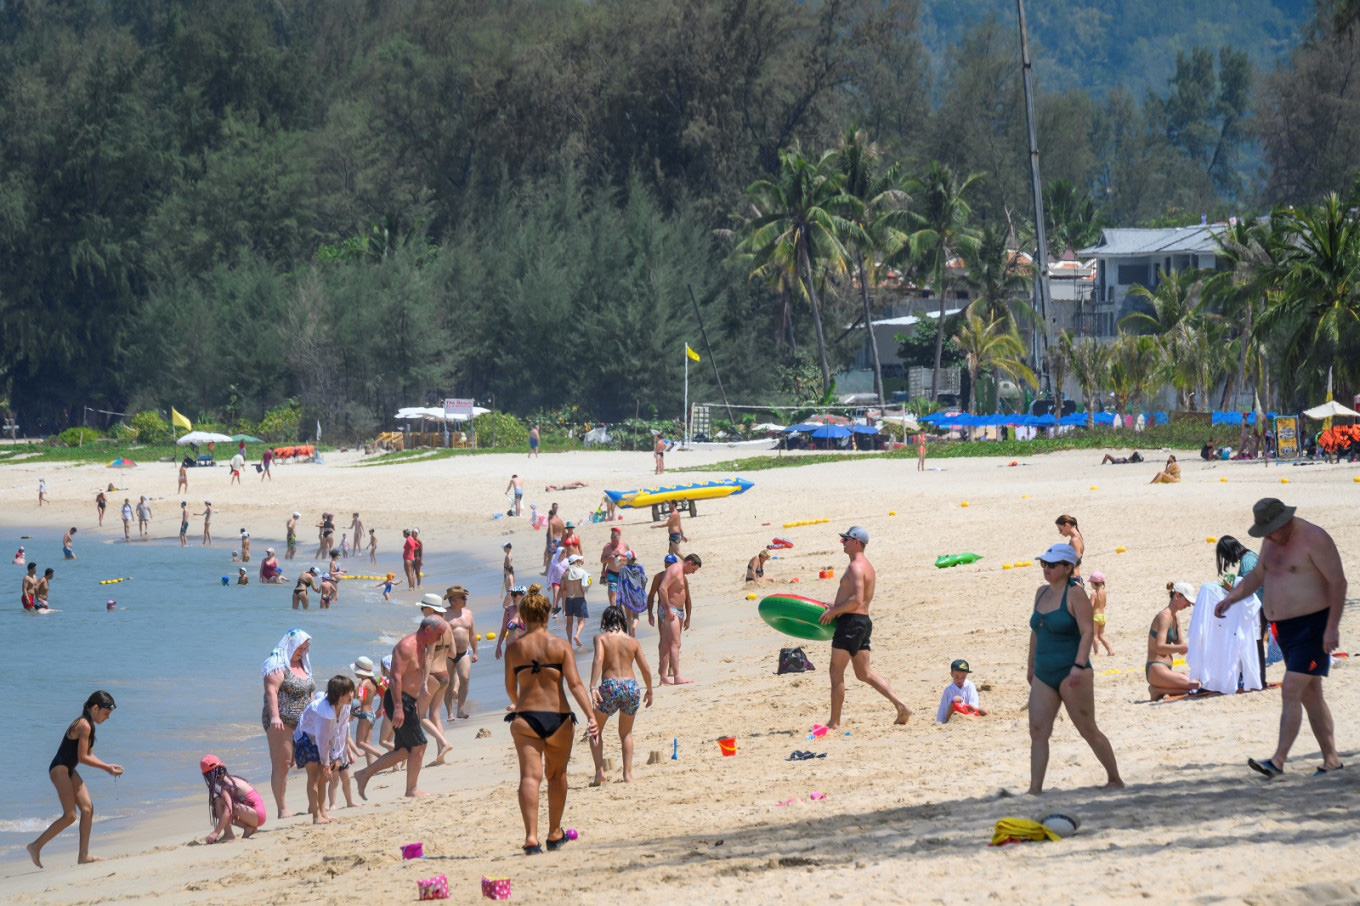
(1090, 361)
(880, 203)
(1250, 248)
(1194, 358)
(1070, 217)
(1135, 361)
(1176, 299)
(940, 231)
(993, 273)
(1317, 313)
(798, 231)
(990, 345)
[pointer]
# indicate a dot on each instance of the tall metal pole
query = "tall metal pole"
(711, 360)
(1042, 338)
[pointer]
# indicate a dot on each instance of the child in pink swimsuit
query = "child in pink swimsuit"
(231, 802)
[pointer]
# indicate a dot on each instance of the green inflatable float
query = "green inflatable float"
(947, 560)
(796, 616)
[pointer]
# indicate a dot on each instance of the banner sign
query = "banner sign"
(458, 408)
(1286, 437)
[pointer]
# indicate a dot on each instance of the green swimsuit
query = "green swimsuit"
(1173, 637)
(1057, 637)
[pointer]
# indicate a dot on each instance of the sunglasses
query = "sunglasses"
(1047, 565)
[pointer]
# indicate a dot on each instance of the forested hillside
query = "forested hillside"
(363, 204)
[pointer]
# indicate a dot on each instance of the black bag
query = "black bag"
(793, 660)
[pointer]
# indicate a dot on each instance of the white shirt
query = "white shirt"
(238, 462)
(966, 692)
(1221, 650)
(330, 730)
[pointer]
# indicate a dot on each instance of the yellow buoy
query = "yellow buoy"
(1284, 481)
(751, 596)
(1095, 488)
(1024, 497)
(1005, 566)
(1221, 478)
(1211, 540)
(965, 503)
(894, 512)
(1120, 550)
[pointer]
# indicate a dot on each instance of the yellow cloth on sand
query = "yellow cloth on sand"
(1020, 829)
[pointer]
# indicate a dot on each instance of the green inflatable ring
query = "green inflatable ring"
(796, 616)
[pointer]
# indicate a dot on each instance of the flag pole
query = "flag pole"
(685, 414)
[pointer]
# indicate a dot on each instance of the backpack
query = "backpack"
(793, 660)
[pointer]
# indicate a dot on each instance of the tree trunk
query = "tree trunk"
(869, 326)
(817, 318)
(939, 338)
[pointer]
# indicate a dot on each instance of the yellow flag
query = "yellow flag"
(179, 420)
(691, 353)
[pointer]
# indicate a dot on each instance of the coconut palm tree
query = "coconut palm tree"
(1317, 313)
(1134, 362)
(1090, 362)
(880, 205)
(939, 231)
(989, 344)
(1176, 299)
(798, 230)
(1070, 216)
(1236, 293)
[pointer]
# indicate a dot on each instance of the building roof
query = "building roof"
(909, 320)
(1132, 242)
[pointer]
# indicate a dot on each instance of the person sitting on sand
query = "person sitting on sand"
(1169, 475)
(614, 688)
(1165, 641)
(231, 802)
(1121, 460)
(755, 568)
(959, 697)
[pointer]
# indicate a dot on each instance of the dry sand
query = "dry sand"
(908, 810)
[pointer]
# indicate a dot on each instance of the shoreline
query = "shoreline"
(917, 801)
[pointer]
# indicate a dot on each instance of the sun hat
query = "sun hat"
(434, 602)
(1098, 577)
(616, 531)
(208, 762)
(314, 571)
(1184, 588)
(855, 533)
(269, 550)
(1271, 515)
(576, 558)
(960, 664)
(298, 515)
(362, 666)
(455, 591)
(570, 524)
(391, 576)
(208, 502)
(1059, 553)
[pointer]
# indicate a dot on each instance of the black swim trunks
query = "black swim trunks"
(409, 735)
(852, 633)
(1301, 641)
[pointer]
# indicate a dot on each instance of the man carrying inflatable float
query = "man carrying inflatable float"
(846, 623)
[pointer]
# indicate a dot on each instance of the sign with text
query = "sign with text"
(1286, 437)
(458, 408)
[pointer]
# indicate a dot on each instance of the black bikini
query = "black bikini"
(544, 723)
(68, 754)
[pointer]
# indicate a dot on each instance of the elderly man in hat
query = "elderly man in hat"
(463, 654)
(1305, 590)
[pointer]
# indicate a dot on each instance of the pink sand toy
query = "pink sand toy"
(436, 888)
(413, 851)
(496, 888)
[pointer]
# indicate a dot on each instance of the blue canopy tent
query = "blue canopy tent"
(830, 432)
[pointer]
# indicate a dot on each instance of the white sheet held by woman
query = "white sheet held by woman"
(1222, 650)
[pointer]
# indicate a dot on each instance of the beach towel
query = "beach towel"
(632, 591)
(1020, 830)
(282, 655)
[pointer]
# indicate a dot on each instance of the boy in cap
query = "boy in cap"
(959, 697)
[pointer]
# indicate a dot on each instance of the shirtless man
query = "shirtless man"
(1305, 590)
(464, 652)
(358, 528)
(66, 541)
(533, 441)
(430, 606)
(143, 517)
(675, 533)
(43, 588)
(612, 559)
(553, 537)
(672, 595)
(851, 642)
(409, 672)
(291, 536)
(28, 587)
(517, 485)
(207, 522)
(574, 597)
(184, 523)
(659, 454)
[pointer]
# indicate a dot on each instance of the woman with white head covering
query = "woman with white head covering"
(1165, 641)
(288, 688)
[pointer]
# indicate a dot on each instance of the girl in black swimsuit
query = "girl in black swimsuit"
(76, 749)
(536, 666)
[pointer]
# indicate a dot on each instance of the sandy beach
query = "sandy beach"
(907, 811)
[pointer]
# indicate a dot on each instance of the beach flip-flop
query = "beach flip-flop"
(534, 850)
(1320, 771)
(1266, 767)
(557, 844)
(805, 756)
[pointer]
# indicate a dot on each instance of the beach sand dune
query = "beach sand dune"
(907, 811)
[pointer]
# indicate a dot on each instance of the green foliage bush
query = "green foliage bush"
(280, 425)
(150, 428)
(75, 437)
(498, 430)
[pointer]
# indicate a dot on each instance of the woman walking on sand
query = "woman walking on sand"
(76, 749)
(1059, 674)
(538, 667)
(288, 689)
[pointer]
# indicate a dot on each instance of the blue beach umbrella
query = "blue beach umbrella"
(830, 432)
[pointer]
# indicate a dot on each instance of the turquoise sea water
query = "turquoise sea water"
(181, 655)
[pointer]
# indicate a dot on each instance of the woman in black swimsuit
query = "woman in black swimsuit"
(75, 749)
(541, 719)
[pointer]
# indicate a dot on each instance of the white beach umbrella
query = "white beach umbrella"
(203, 437)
